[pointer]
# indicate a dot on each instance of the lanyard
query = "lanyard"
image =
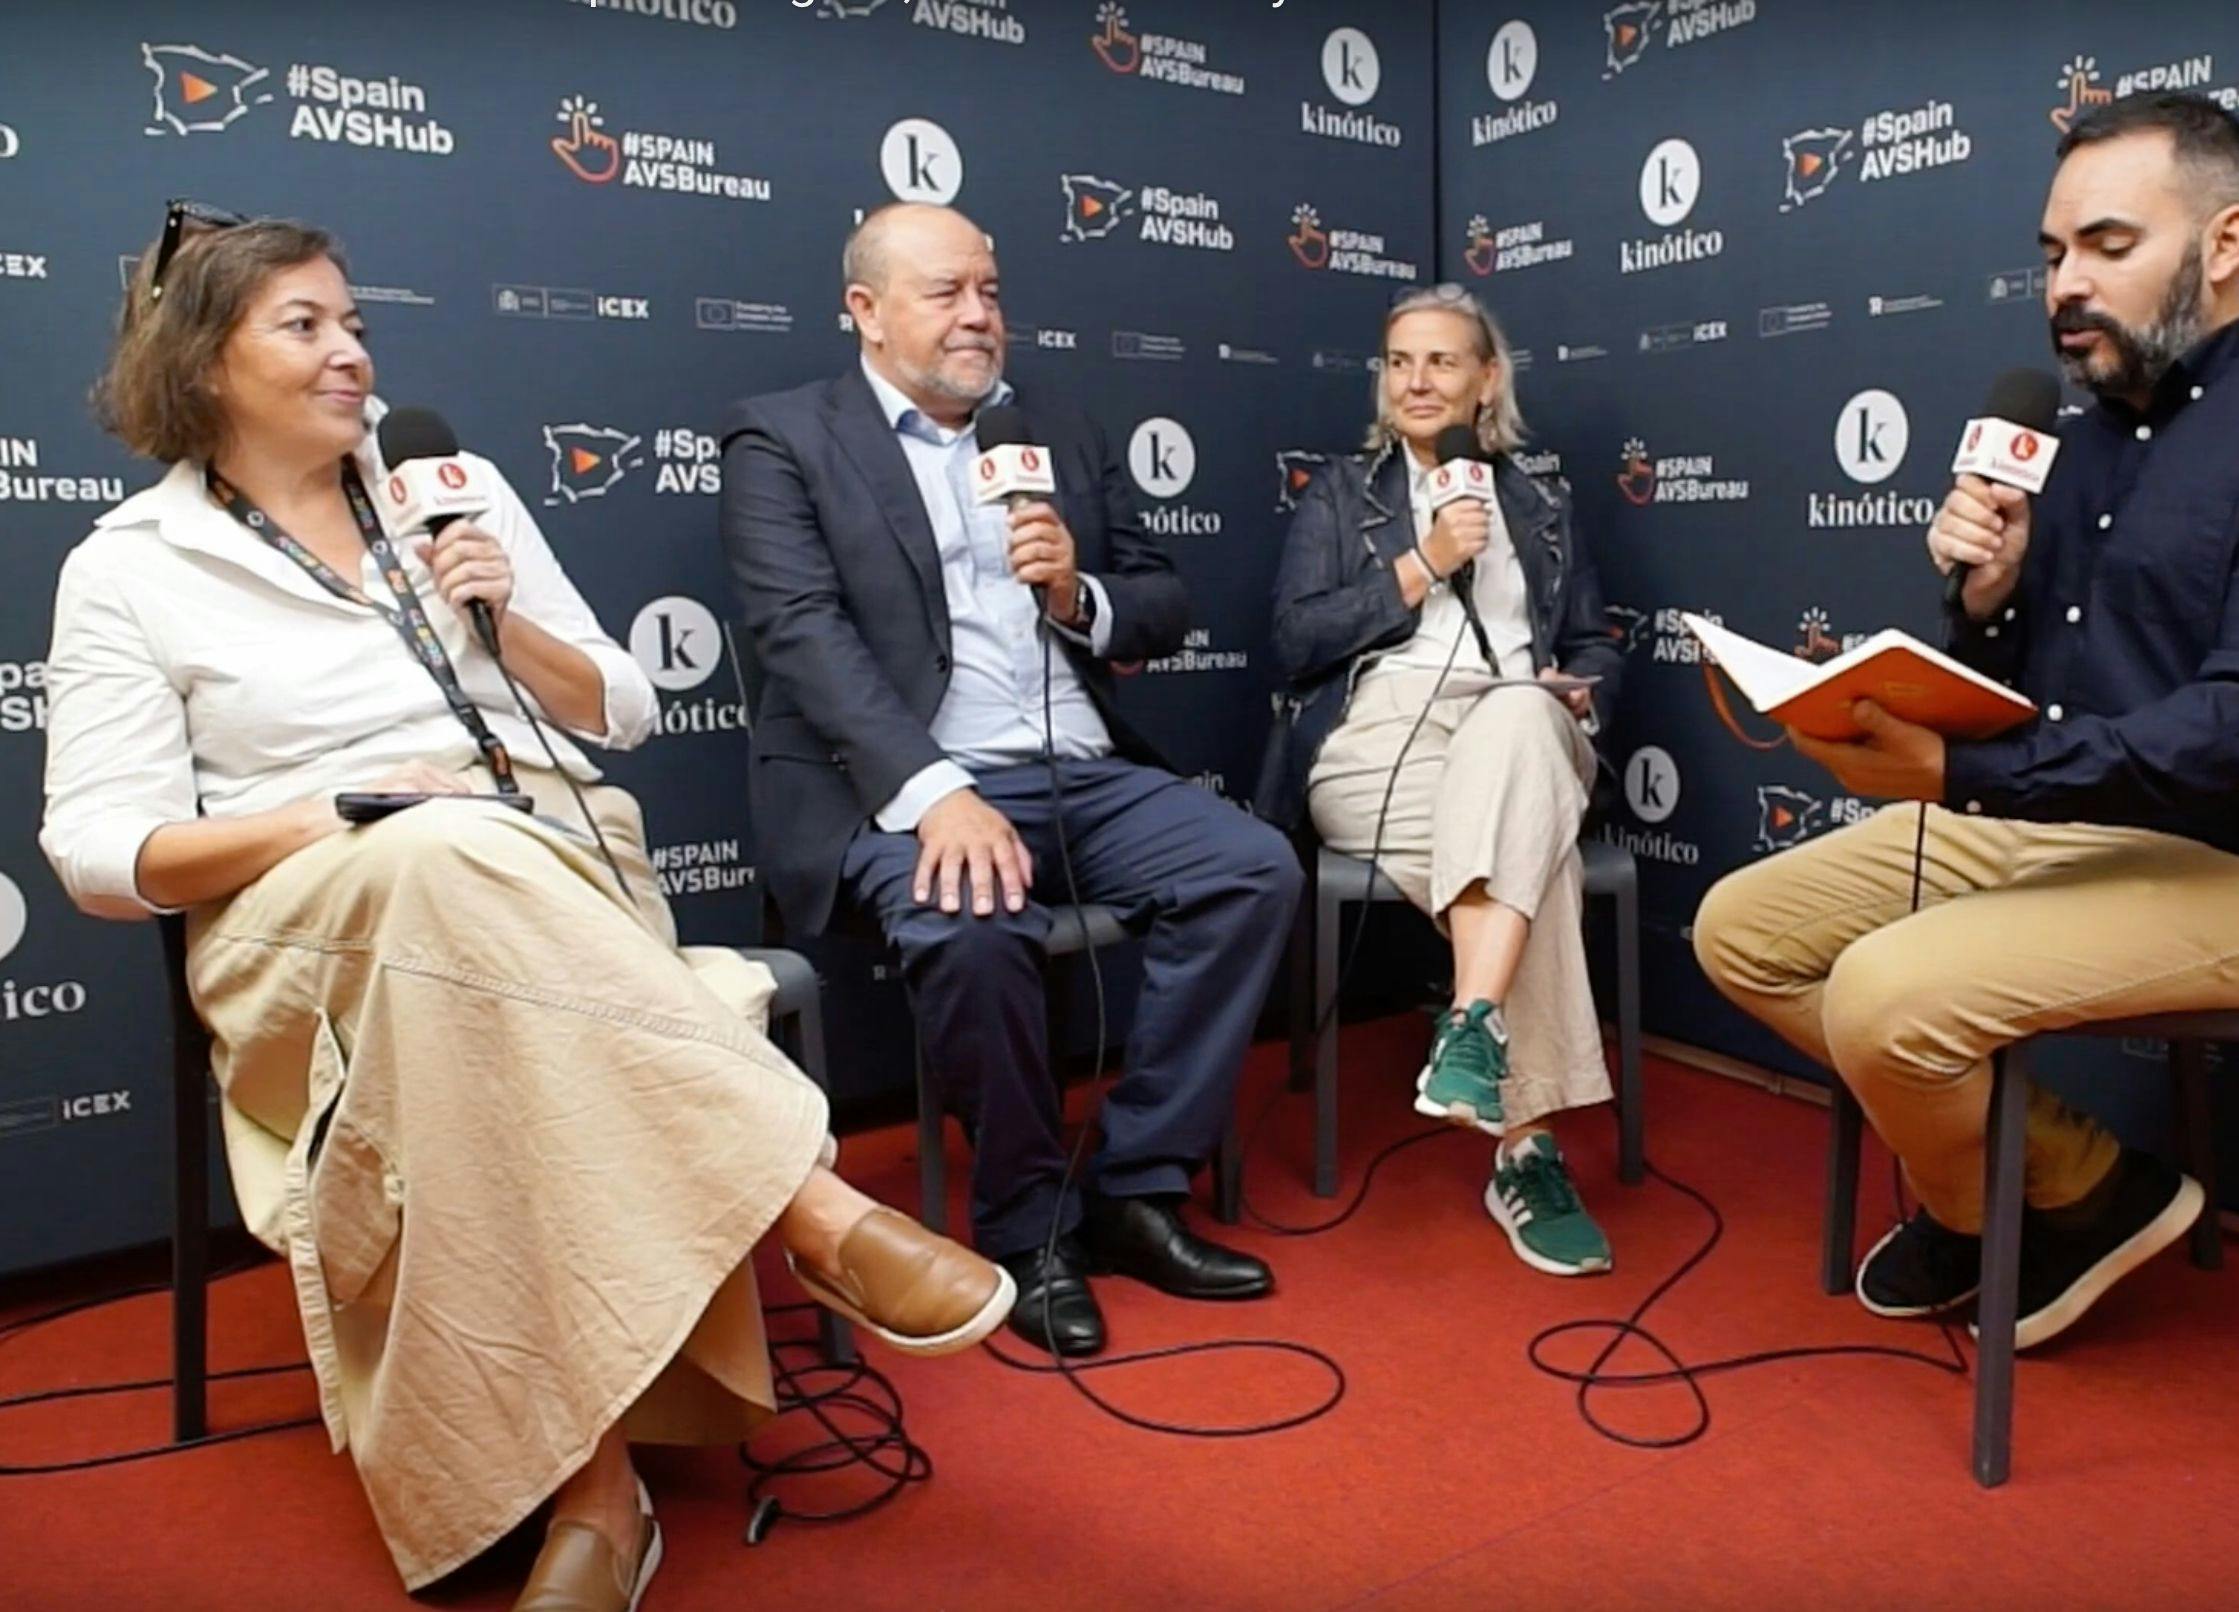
(410, 620)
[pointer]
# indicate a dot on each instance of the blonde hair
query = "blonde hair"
(152, 396)
(1500, 423)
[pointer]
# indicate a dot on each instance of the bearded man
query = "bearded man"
(2084, 866)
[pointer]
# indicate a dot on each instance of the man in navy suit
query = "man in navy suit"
(927, 663)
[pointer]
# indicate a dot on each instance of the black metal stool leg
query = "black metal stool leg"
(1298, 970)
(1327, 926)
(932, 1161)
(190, 1194)
(1228, 1176)
(1631, 1154)
(2196, 1144)
(190, 1254)
(1839, 1227)
(1996, 1310)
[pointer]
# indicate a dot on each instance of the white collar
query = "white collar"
(179, 512)
(176, 507)
(897, 407)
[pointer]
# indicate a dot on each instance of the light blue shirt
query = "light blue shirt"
(992, 714)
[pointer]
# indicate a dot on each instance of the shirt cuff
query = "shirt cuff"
(1098, 639)
(917, 797)
(627, 700)
(101, 869)
(1978, 776)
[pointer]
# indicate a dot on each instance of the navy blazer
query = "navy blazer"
(834, 559)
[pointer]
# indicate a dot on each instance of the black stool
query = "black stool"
(2188, 1035)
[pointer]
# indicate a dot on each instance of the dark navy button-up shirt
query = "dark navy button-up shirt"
(2124, 628)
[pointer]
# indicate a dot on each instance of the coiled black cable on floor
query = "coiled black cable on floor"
(143, 1385)
(828, 1392)
(1690, 1374)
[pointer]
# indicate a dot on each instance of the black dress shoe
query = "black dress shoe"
(1055, 1310)
(1145, 1238)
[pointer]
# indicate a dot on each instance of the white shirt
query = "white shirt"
(196, 669)
(1501, 604)
(991, 715)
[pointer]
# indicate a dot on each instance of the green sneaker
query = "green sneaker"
(1461, 1083)
(1532, 1198)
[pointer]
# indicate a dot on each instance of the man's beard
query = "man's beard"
(2141, 357)
(932, 380)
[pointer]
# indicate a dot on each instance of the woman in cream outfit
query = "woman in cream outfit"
(514, 1145)
(1414, 628)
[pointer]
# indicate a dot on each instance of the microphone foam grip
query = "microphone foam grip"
(1000, 427)
(2025, 397)
(415, 434)
(1457, 442)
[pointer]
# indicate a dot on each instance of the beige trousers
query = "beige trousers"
(514, 1145)
(1491, 791)
(2023, 927)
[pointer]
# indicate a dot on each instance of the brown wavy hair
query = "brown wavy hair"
(154, 395)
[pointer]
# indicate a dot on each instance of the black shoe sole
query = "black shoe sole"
(1071, 1350)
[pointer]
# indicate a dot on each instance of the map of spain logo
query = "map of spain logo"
(199, 91)
(587, 460)
(1093, 206)
(1815, 160)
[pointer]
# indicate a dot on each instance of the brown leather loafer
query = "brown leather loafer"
(579, 1571)
(920, 1292)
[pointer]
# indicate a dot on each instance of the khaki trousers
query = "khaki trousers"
(1491, 791)
(514, 1145)
(2023, 928)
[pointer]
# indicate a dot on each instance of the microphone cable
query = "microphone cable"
(1328, 1013)
(485, 630)
(50, 1396)
(1061, 1366)
(1596, 1376)
(1689, 1374)
(854, 1389)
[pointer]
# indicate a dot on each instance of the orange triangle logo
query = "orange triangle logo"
(196, 89)
(1782, 817)
(1090, 207)
(1300, 478)
(1626, 34)
(583, 460)
(1809, 163)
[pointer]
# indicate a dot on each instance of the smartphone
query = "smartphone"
(369, 807)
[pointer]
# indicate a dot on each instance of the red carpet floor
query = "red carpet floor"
(1452, 1476)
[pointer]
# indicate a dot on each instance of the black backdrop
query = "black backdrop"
(580, 229)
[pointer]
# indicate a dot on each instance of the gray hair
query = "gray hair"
(1500, 424)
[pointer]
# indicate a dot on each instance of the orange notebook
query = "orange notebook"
(1893, 669)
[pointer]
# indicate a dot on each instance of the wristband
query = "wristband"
(1422, 558)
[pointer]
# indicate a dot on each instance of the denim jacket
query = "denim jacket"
(1338, 605)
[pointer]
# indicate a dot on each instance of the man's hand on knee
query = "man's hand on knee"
(961, 835)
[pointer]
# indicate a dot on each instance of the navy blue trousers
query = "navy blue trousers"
(1218, 887)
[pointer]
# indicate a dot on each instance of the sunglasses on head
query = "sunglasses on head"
(1444, 291)
(182, 218)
